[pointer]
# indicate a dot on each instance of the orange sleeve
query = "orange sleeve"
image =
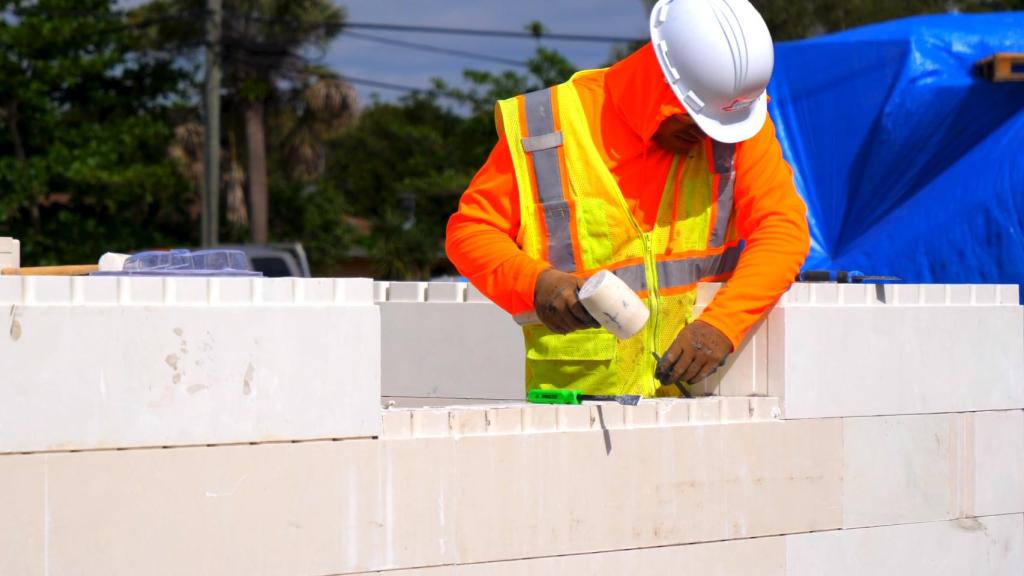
(772, 219)
(480, 239)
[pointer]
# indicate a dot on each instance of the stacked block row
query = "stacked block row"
(828, 350)
(447, 494)
(445, 343)
(459, 421)
(108, 362)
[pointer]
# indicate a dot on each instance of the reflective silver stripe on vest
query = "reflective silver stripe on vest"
(634, 276)
(724, 156)
(676, 273)
(542, 144)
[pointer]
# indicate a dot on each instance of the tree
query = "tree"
(85, 127)
(268, 72)
(404, 166)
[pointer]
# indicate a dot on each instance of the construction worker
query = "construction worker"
(663, 169)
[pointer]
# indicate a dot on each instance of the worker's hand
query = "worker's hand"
(697, 352)
(557, 302)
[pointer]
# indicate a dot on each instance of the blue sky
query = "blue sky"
(371, 60)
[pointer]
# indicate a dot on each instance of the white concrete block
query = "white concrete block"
(642, 415)
(475, 295)
(380, 291)
(612, 416)
(286, 508)
(316, 290)
(24, 487)
(825, 294)
(230, 291)
(705, 410)
(10, 252)
(407, 292)
(467, 422)
(993, 546)
(396, 424)
(959, 294)
(353, 291)
(540, 418)
(923, 468)
(745, 372)
(505, 420)
(830, 361)
(451, 350)
(95, 290)
(901, 469)
(1009, 294)
(43, 290)
(446, 292)
(431, 423)
(673, 412)
(908, 294)
(11, 291)
(196, 291)
(531, 495)
(998, 458)
(735, 409)
(146, 290)
(574, 418)
(762, 409)
(105, 376)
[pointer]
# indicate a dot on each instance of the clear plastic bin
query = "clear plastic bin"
(212, 262)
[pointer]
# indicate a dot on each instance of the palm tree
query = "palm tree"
(267, 53)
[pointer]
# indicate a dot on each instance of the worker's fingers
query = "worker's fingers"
(554, 318)
(705, 372)
(681, 365)
(580, 314)
(700, 360)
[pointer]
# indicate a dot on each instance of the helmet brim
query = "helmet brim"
(730, 127)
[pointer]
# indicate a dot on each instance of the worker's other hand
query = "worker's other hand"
(556, 299)
(697, 352)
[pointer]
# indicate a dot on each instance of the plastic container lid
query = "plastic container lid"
(212, 262)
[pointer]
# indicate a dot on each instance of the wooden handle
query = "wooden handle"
(73, 270)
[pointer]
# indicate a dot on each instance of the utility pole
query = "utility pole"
(211, 133)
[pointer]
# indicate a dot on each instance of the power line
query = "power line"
(436, 49)
(541, 35)
(383, 85)
(489, 33)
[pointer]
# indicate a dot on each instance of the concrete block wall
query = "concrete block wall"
(106, 362)
(110, 466)
(539, 490)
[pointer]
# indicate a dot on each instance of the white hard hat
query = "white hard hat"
(718, 57)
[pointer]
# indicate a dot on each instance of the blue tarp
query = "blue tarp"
(910, 164)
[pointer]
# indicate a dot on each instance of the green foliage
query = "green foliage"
(85, 127)
(404, 165)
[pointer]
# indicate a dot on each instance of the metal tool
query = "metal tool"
(563, 396)
(683, 386)
(843, 277)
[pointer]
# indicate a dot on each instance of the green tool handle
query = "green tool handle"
(553, 397)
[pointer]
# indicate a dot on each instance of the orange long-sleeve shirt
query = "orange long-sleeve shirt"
(624, 106)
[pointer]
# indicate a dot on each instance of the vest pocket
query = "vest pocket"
(583, 360)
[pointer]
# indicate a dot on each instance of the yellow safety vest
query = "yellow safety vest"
(574, 216)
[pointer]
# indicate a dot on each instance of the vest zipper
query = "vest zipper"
(655, 299)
